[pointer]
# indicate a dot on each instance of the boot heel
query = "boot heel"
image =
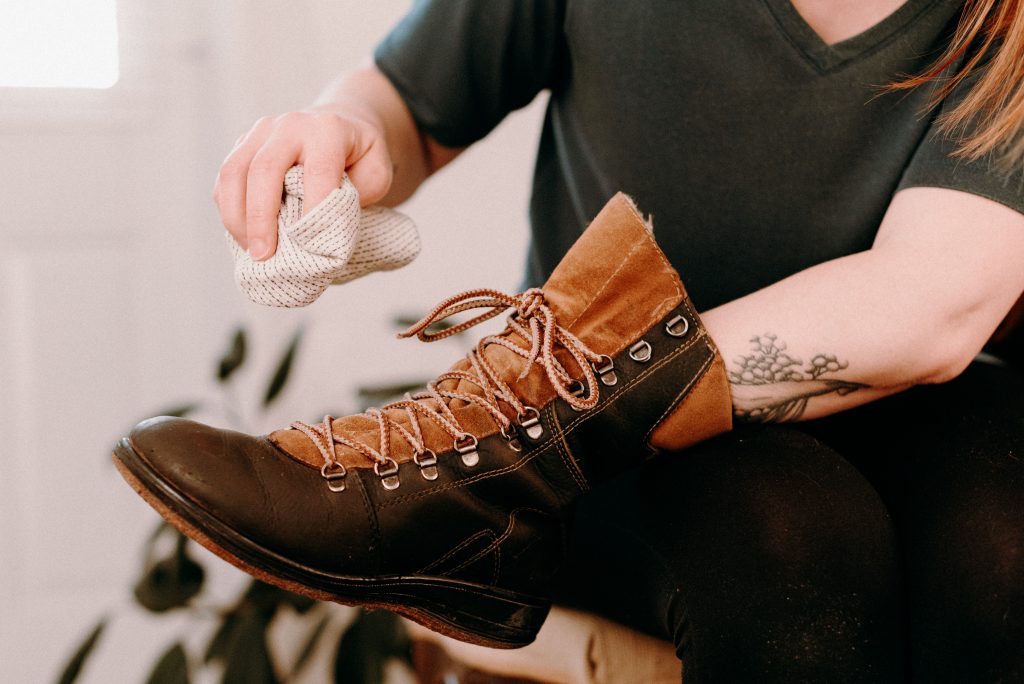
(471, 612)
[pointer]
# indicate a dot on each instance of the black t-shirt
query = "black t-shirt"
(758, 149)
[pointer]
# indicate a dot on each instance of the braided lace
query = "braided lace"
(534, 322)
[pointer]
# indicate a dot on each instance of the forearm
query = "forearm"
(821, 341)
(367, 94)
(914, 309)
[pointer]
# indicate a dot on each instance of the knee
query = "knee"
(967, 595)
(810, 513)
(798, 571)
(976, 553)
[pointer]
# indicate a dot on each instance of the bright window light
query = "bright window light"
(58, 43)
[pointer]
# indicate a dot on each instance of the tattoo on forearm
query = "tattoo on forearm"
(770, 386)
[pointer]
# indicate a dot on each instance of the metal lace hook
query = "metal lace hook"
(470, 456)
(428, 465)
(510, 437)
(334, 473)
(529, 420)
(389, 477)
(606, 372)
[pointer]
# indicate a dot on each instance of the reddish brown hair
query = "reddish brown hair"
(994, 106)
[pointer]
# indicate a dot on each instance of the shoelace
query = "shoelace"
(533, 320)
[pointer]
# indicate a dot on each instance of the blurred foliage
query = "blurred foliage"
(374, 638)
(283, 370)
(234, 357)
(376, 395)
(168, 582)
(77, 660)
(172, 668)
(171, 579)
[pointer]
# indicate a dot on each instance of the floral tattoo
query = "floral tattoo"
(770, 386)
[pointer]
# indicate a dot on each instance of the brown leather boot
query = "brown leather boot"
(449, 507)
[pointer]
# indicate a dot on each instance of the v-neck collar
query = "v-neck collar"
(827, 57)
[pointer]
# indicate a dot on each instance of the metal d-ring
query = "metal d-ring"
(530, 422)
(641, 351)
(428, 465)
(576, 388)
(470, 456)
(673, 329)
(334, 473)
(510, 437)
(607, 371)
(389, 477)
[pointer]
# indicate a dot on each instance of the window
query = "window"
(59, 44)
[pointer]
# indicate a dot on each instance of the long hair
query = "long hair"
(993, 109)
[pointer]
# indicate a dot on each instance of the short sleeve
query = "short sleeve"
(462, 65)
(934, 164)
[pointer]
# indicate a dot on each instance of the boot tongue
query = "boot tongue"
(615, 282)
(612, 286)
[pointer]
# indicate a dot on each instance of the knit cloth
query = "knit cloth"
(333, 244)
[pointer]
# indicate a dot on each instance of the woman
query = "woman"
(852, 238)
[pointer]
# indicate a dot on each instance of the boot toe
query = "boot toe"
(243, 490)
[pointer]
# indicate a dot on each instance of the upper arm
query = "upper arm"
(963, 252)
(462, 65)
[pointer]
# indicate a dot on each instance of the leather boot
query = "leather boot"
(449, 507)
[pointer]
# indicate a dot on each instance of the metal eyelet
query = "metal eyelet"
(470, 456)
(513, 441)
(576, 388)
(641, 351)
(335, 474)
(389, 477)
(607, 371)
(428, 465)
(672, 327)
(531, 423)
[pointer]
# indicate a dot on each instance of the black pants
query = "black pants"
(881, 544)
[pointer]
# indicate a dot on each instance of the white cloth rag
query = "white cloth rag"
(334, 243)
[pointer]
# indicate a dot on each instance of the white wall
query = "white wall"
(116, 292)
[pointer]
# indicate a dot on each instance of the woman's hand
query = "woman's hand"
(327, 142)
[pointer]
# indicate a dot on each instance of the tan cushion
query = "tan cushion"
(572, 648)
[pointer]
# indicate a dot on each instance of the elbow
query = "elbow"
(947, 367)
(949, 350)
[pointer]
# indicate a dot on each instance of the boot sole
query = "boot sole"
(469, 612)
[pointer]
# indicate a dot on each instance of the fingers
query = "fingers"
(265, 183)
(249, 185)
(323, 161)
(229, 190)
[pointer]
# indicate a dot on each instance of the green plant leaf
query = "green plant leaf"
(234, 357)
(300, 604)
(248, 658)
(220, 644)
(309, 646)
(77, 661)
(259, 598)
(381, 394)
(263, 598)
(366, 646)
(284, 368)
(406, 321)
(169, 582)
(180, 411)
(172, 668)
